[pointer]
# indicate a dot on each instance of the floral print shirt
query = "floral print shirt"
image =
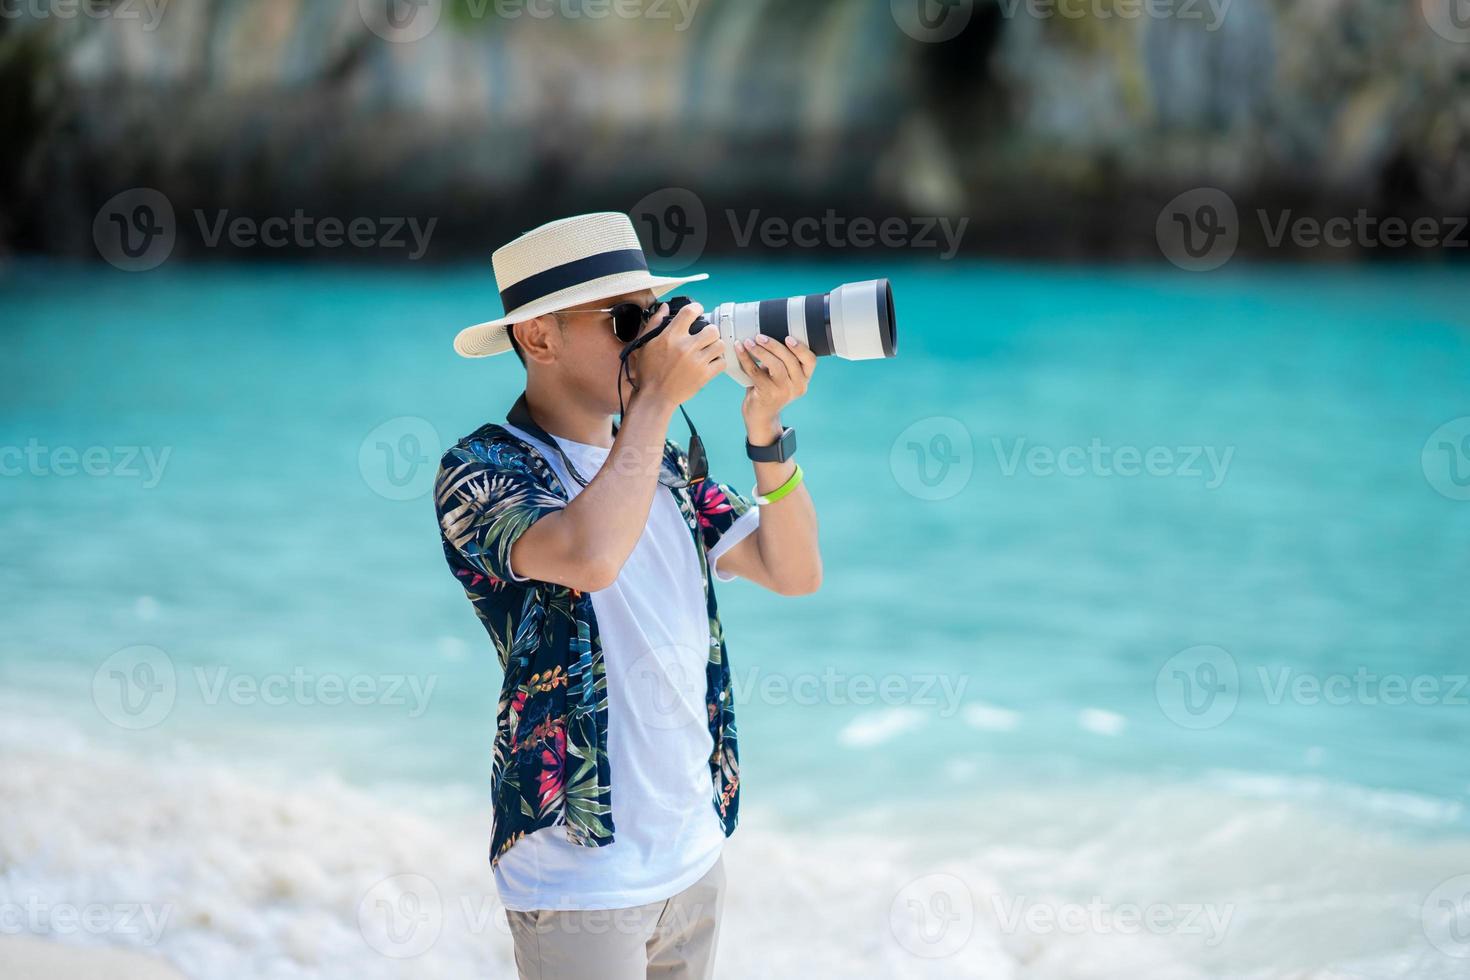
(550, 764)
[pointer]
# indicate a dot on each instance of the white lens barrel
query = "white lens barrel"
(723, 317)
(796, 319)
(860, 314)
(858, 320)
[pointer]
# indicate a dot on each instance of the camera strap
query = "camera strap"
(520, 417)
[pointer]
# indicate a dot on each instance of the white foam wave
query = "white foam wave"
(255, 877)
(877, 727)
(1100, 721)
(990, 718)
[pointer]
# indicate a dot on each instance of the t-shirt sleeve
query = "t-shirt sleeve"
(484, 509)
(726, 517)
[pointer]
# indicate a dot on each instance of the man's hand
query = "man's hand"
(674, 365)
(781, 377)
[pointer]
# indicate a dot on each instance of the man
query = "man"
(587, 549)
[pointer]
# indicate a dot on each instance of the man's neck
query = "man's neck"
(568, 419)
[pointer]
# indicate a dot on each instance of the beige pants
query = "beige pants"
(671, 940)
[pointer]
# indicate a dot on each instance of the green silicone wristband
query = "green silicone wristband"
(779, 492)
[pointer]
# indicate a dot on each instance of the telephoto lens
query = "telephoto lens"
(855, 322)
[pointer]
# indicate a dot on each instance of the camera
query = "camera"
(855, 322)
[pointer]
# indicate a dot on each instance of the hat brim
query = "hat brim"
(493, 337)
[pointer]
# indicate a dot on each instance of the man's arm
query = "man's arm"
(782, 554)
(584, 545)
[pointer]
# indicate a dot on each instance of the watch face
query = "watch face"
(777, 452)
(786, 445)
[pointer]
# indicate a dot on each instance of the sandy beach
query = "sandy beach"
(29, 958)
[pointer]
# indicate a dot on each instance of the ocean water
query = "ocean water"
(1145, 602)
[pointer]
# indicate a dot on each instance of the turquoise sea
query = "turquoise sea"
(1142, 588)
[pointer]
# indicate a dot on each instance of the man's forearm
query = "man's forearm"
(787, 536)
(612, 510)
(585, 544)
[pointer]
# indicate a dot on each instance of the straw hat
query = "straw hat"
(560, 265)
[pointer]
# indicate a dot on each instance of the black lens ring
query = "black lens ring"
(887, 328)
(818, 329)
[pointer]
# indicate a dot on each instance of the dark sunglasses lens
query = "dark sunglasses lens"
(627, 320)
(698, 462)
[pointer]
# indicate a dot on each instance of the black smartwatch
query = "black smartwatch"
(777, 452)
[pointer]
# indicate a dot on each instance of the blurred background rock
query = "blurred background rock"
(1058, 130)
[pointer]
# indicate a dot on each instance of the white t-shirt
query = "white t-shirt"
(654, 628)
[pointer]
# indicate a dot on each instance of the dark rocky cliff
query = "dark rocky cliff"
(1054, 134)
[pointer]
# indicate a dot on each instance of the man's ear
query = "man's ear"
(540, 339)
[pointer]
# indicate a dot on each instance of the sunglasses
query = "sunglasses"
(627, 318)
